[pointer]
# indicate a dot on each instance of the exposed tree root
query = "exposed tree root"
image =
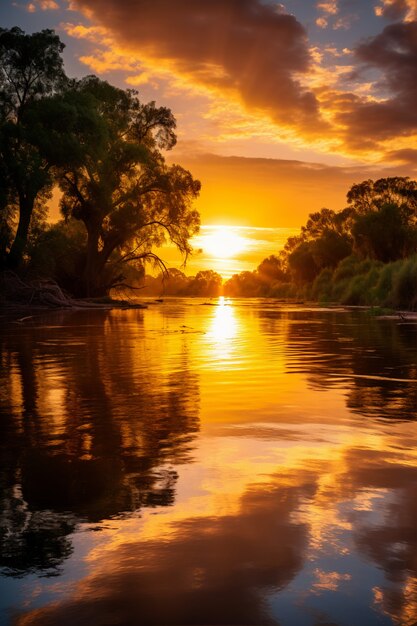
(48, 294)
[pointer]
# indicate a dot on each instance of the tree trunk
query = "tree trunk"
(17, 250)
(94, 266)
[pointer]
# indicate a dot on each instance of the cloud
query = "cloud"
(274, 192)
(253, 75)
(395, 10)
(216, 569)
(406, 156)
(335, 14)
(328, 8)
(322, 22)
(393, 53)
(345, 22)
(42, 5)
(248, 50)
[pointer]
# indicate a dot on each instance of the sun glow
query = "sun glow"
(222, 242)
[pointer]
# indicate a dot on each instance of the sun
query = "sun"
(222, 242)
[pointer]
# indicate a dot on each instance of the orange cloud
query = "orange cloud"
(42, 5)
(240, 47)
(397, 9)
(272, 192)
(330, 7)
(257, 76)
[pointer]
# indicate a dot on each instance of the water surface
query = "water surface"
(230, 462)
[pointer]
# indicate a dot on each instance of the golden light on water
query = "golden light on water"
(222, 333)
(246, 457)
(224, 325)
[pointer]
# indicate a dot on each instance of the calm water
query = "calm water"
(240, 463)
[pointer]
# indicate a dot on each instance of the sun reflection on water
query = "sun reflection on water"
(222, 334)
(224, 325)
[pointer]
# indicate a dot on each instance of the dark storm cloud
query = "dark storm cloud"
(242, 45)
(393, 53)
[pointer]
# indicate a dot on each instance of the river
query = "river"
(219, 462)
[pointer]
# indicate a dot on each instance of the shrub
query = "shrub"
(404, 291)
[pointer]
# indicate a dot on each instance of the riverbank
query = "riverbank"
(46, 294)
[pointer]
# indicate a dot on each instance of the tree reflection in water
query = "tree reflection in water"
(211, 570)
(299, 508)
(91, 432)
(374, 359)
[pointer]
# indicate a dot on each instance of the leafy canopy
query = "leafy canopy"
(115, 179)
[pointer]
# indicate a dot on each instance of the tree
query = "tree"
(205, 283)
(327, 221)
(31, 68)
(323, 242)
(117, 183)
(384, 226)
(329, 249)
(270, 270)
(302, 263)
(243, 284)
(57, 252)
(385, 235)
(370, 195)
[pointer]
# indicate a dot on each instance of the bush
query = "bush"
(404, 291)
(58, 253)
(360, 290)
(323, 286)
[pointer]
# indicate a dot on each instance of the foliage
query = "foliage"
(31, 69)
(357, 256)
(268, 277)
(205, 283)
(404, 292)
(387, 234)
(271, 270)
(121, 200)
(58, 253)
(370, 283)
(385, 218)
(116, 182)
(370, 196)
(173, 282)
(243, 284)
(323, 242)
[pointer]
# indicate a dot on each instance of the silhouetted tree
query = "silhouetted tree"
(302, 263)
(271, 270)
(372, 195)
(385, 235)
(385, 222)
(243, 284)
(205, 283)
(31, 68)
(116, 182)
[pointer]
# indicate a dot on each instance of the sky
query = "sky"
(280, 108)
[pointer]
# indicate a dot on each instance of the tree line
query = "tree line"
(363, 254)
(104, 149)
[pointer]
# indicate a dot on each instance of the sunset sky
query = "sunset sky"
(280, 107)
